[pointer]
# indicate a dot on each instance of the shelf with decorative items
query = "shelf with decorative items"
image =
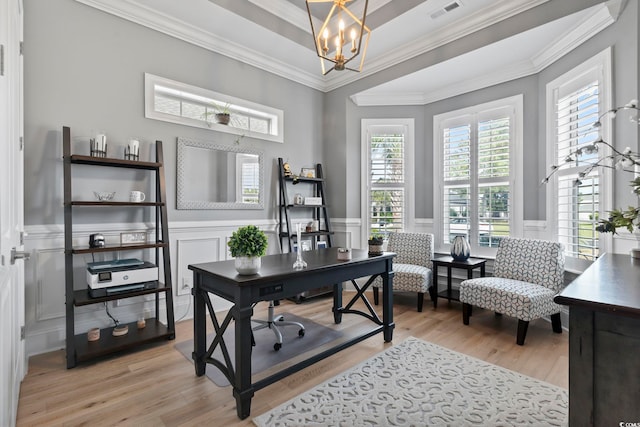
(320, 225)
(138, 277)
(316, 232)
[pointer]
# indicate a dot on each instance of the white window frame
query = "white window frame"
(241, 160)
(515, 173)
(366, 127)
(598, 67)
(183, 91)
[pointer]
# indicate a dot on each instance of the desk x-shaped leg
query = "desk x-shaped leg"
(372, 315)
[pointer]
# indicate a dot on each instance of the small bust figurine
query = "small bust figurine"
(287, 170)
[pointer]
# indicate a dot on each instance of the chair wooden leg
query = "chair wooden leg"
(420, 301)
(376, 296)
(522, 331)
(556, 323)
(433, 293)
(466, 312)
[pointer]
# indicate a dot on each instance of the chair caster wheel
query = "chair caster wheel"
(301, 333)
(277, 346)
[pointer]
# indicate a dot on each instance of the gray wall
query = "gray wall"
(85, 69)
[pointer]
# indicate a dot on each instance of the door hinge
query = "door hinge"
(1, 60)
(21, 144)
(22, 333)
(21, 48)
(22, 233)
(1, 259)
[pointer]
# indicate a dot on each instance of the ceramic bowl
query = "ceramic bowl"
(104, 196)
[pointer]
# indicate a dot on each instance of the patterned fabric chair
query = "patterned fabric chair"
(527, 275)
(412, 266)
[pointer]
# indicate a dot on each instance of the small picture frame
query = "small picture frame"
(321, 244)
(133, 238)
(308, 173)
(306, 246)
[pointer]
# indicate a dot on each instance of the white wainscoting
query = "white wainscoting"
(190, 243)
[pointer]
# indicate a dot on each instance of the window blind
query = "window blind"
(476, 164)
(578, 198)
(387, 179)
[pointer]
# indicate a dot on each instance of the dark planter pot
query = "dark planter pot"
(375, 247)
(223, 119)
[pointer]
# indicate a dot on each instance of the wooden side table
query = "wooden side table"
(447, 261)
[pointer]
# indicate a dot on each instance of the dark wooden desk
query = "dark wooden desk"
(447, 261)
(277, 280)
(604, 338)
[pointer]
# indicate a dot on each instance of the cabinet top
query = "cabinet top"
(611, 283)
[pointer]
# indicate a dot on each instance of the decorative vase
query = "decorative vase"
(300, 263)
(460, 249)
(247, 265)
(223, 118)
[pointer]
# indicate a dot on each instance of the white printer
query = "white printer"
(123, 275)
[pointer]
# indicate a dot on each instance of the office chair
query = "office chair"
(274, 322)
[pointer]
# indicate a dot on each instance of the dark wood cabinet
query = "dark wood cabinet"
(78, 348)
(604, 339)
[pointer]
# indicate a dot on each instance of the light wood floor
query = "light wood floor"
(157, 386)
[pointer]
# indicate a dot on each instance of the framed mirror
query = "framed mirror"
(214, 176)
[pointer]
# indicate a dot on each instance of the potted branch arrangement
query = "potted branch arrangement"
(375, 244)
(247, 245)
(625, 160)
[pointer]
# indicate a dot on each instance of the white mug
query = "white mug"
(137, 196)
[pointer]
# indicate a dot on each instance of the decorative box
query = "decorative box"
(313, 201)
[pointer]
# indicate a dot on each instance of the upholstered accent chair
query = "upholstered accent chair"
(527, 274)
(412, 266)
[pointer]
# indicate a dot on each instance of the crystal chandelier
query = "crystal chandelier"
(330, 38)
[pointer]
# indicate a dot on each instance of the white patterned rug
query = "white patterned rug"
(416, 383)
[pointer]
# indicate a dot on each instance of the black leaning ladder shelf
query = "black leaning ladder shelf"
(78, 348)
(287, 232)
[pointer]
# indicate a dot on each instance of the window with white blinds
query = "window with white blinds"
(177, 102)
(475, 149)
(578, 195)
(388, 165)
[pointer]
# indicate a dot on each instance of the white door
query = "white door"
(12, 357)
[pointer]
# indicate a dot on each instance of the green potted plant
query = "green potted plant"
(222, 113)
(375, 244)
(247, 245)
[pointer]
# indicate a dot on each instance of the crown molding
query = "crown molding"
(596, 22)
(150, 18)
(458, 29)
(287, 11)
(600, 19)
(298, 17)
(181, 30)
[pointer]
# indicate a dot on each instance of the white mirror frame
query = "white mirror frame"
(183, 177)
